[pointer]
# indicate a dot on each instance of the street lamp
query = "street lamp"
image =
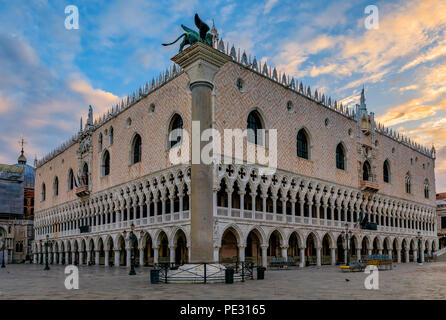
(46, 252)
(348, 234)
(3, 246)
(419, 247)
(132, 239)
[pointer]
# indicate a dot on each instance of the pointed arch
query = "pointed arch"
(255, 126)
(135, 149)
(105, 165)
(43, 192)
(303, 144)
(56, 186)
(70, 179)
(340, 156)
(175, 130)
(426, 188)
(366, 171)
(408, 183)
(386, 171)
(110, 136)
(100, 142)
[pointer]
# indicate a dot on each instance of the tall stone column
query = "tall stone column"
(106, 258)
(128, 257)
(216, 254)
(264, 256)
(171, 254)
(201, 63)
(333, 256)
(318, 257)
(241, 251)
(96, 257)
(117, 257)
(155, 255)
(302, 257)
(141, 257)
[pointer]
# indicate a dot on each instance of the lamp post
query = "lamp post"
(348, 234)
(132, 239)
(46, 252)
(3, 246)
(419, 247)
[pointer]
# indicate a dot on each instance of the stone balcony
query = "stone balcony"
(82, 191)
(369, 186)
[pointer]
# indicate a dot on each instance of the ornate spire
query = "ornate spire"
(362, 101)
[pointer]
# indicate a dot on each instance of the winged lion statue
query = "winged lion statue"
(191, 36)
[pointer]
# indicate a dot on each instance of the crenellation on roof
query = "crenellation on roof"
(242, 59)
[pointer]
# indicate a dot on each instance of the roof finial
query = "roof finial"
(22, 158)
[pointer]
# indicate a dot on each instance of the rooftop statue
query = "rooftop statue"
(191, 36)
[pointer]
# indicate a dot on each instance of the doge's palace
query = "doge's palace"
(338, 170)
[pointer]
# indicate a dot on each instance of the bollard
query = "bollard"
(261, 273)
(229, 275)
(154, 276)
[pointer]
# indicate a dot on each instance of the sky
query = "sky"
(49, 74)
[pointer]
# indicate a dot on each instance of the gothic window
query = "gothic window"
(255, 126)
(426, 189)
(85, 175)
(105, 170)
(56, 186)
(407, 182)
(100, 142)
(136, 149)
(43, 194)
(340, 157)
(302, 144)
(175, 130)
(110, 137)
(386, 171)
(366, 171)
(70, 179)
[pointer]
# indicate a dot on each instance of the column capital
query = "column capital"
(201, 63)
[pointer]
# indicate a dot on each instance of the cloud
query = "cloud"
(409, 111)
(6, 103)
(433, 54)
(99, 98)
(411, 87)
(269, 5)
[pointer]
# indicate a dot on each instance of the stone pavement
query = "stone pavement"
(405, 281)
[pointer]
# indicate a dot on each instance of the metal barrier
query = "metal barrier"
(210, 272)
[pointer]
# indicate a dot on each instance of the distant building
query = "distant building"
(441, 216)
(17, 210)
